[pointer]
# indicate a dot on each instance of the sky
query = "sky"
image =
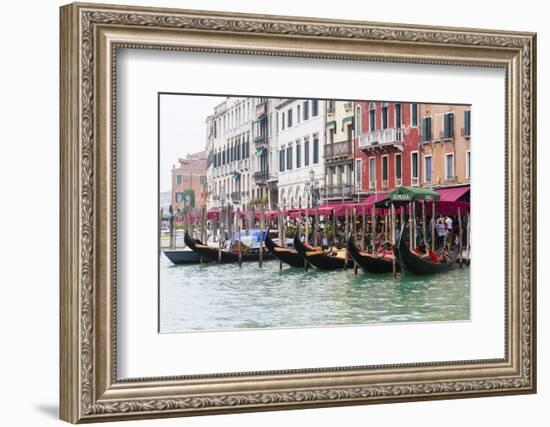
(182, 129)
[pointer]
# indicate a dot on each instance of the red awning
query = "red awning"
(452, 194)
(374, 198)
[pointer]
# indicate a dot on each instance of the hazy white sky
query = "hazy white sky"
(182, 129)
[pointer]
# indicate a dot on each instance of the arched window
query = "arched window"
(358, 121)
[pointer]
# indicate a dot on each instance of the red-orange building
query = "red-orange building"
(190, 175)
(387, 140)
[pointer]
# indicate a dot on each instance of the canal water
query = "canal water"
(213, 297)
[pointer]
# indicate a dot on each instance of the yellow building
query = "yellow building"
(445, 145)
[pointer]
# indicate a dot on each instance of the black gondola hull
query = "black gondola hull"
(184, 257)
(321, 261)
(412, 263)
(370, 264)
(222, 256)
(287, 255)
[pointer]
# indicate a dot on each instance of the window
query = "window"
(428, 168)
(306, 152)
(315, 150)
(289, 117)
(330, 106)
(398, 120)
(314, 107)
(306, 110)
(331, 135)
(340, 175)
(384, 117)
(358, 124)
(468, 165)
(283, 121)
(449, 166)
(467, 122)
(448, 125)
(426, 129)
(414, 165)
(179, 197)
(298, 156)
(372, 172)
(282, 160)
(298, 112)
(178, 179)
(398, 167)
(384, 168)
(289, 158)
(414, 114)
(202, 179)
(372, 119)
(358, 174)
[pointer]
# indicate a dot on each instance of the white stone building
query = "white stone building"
(238, 142)
(228, 144)
(299, 152)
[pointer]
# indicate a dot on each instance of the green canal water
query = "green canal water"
(213, 297)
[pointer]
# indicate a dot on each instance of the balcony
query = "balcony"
(236, 197)
(342, 191)
(337, 149)
(261, 109)
(381, 138)
(260, 140)
(260, 176)
(446, 136)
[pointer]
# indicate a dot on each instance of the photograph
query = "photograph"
(294, 213)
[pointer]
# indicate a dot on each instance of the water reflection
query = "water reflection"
(221, 297)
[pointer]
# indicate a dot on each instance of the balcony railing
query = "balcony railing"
(260, 176)
(414, 181)
(384, 183)
(260, 139)
(372, 185)
(398, 182)
(236, 196)
(338, 149)
(381, 137)
(446, 137)
(342, 190)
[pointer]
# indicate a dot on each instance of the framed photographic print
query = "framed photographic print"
(268, 212)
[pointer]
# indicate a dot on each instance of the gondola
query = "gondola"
(184, 256)
(223, 256)
(412, 263)
(287, 255)
(368, 262)
(321, 259)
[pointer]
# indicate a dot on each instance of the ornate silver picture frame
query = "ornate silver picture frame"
(91, 34)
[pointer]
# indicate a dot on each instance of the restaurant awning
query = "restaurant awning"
(408, 194)
(453, 194)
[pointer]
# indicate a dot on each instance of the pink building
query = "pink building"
(190, 175)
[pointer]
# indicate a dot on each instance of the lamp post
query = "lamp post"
(311, 187)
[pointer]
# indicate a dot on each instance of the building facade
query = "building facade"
(299, 153)
(387, 146)
(264, 189)
(228, 144)
(339, 151)
(445, 145)
(189, 176)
